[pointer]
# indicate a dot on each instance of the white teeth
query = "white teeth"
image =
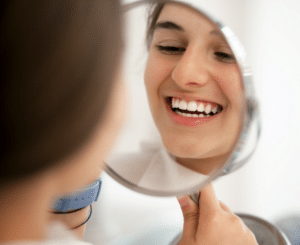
(200, 107)
(182, 105)
(175, 103)
(208, 109)
(192, 106)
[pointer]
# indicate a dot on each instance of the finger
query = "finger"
(209, 202)
(190, 211)
(225, 207)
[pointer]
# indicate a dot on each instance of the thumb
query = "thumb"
(190, 211)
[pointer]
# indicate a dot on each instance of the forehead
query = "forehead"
(186, 17)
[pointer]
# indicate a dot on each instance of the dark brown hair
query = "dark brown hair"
(154, 12)
(58, 60)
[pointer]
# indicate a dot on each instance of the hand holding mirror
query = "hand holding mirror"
(200, 93)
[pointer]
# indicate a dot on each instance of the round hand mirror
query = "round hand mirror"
(198, 88)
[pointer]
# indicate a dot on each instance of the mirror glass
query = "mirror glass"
(190, 93)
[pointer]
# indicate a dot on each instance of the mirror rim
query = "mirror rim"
(250, 116)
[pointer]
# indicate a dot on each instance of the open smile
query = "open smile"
(192, 113)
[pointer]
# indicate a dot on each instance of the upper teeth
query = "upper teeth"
(193, 106)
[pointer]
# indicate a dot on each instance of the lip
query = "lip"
(189, 121)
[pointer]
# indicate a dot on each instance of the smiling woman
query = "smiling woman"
(194, 87)
(194, 83)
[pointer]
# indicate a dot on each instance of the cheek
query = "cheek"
(157, 71)
(231, 85)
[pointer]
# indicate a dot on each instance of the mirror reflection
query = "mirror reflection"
(194, 87)
(196, 97)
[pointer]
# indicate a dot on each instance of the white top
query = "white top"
(57, 234)
(155, 169)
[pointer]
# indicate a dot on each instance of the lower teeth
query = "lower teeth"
(192, 115)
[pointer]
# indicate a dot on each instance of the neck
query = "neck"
(204, 166)
(24, 210)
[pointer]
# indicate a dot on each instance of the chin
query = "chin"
(193, 150)
(185, 150)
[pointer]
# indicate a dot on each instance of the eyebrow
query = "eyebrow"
(217, 33)
(172, 26)
(168, 25)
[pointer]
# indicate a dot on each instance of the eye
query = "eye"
(225, 57)
(170, 49)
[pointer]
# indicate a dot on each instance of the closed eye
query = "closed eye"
(170, 49)
(228, 58)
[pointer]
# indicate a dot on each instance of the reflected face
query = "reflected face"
(193, 85)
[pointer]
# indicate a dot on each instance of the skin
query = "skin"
(38, 192)
(74, 219)
(195, 69)
(212, 222)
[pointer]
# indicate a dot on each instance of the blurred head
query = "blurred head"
(193, 85)
(59, 67)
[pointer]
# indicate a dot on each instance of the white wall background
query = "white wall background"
(269, 185)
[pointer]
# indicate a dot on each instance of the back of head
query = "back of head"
(58, 59)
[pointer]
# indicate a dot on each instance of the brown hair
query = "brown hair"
(154, 12)
(58, 59)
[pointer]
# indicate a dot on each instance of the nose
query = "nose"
(193, 69)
